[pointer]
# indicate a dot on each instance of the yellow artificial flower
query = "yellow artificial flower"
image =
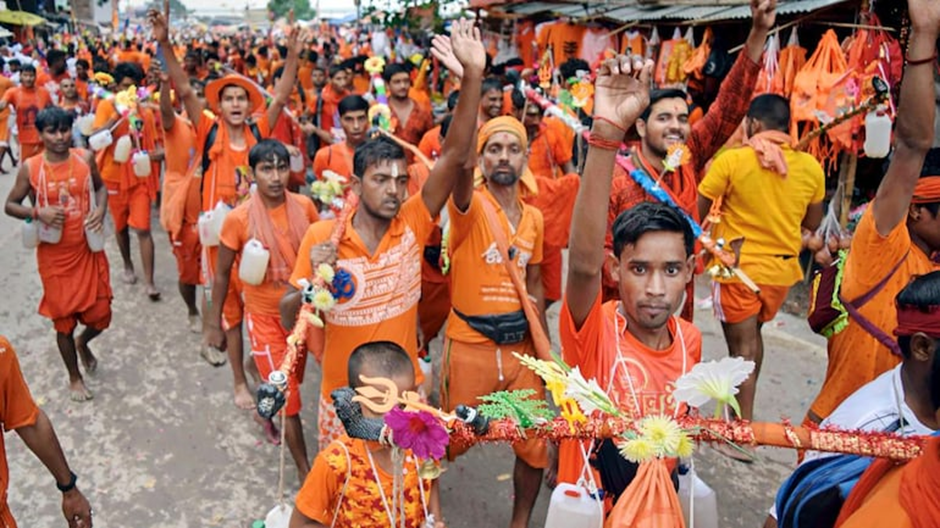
(374, 65)
(638, 450)
(323, 300)
(664, 433)
(572, 413)
(686, 446)
(326, 272)
(549, 371)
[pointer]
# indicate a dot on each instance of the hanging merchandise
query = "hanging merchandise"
(792, 59)
(672, 56)
(770, 69)
(634, 43)
(694, 67)
(812, 87)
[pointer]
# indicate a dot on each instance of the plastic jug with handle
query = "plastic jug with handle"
(572, 505)
(254, 262)
(877, 133)
(210, 224)
(141, 164)
(101, 140)
(698, 500)
(86, 124)
(30, 233)
(296, 162)
(122, 150)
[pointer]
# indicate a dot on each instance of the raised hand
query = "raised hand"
(442, 50)
(159, 26)
(297, 40)
(622, 90)
(764, 14)
(467, 46)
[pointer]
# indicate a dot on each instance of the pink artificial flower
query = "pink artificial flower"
(418, 431)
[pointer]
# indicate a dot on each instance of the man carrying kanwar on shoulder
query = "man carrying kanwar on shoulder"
(383, 241)
(898, 234)
(664, 124)
(69, 203)
(223, 143)
(633, 346)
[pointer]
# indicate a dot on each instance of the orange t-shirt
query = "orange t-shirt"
(17, 408)
(177, 210)
(882, 507)
(633, 374)
(322, 496)
(264, 298)
(855, 357)
(555, 198)
(548, 153)
(27, 103)
(227, 179)
(384, 305)
(305, 76)
(430, 144)
(123, 173)
(481, 283)
(337, 158)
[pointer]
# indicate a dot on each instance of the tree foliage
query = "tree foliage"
(281, 8)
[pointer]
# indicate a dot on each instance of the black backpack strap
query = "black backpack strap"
(255, 131)
(210, 140)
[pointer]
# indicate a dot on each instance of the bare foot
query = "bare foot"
(153, 293)
(243, 398)
(214, 356)
(129, 277)
(271, 431)
(78, 392)
(89, 361)
(195, 323)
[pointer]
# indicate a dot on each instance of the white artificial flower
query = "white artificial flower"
(588, 394)
(713, 380)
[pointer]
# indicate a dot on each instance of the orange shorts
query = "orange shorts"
(28, 150)
(130, 207)
(268, 348)
(233, 310)
(433, 308)
(734, 302)
(485, 368)
(97, 316)
(551, 272)
(188, 252)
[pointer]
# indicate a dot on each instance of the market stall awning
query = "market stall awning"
(20, 18)
(576, 10)
(709, 13)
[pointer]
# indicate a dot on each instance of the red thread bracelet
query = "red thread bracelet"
(595, 140)
(611, 123)
(921, 61)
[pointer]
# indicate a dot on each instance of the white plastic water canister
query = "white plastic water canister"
(101, 140)
(279, 516)
(296, 162)
(49, 234)
(254, 262)
(95, 239)
(210, 225)
(30, 233)
(877, 133)
(122, 150)
(572, 506)
(86, 124)
(696, 495)
(141, 164)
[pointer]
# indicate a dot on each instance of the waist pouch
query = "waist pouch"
(503, 329)
(432, 254)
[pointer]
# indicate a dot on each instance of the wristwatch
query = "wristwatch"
(64, 488)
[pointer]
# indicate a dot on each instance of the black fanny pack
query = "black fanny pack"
(503, 329)
(432, 254)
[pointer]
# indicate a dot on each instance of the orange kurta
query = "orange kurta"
(28, 103)
(17, 409)
(337, 158)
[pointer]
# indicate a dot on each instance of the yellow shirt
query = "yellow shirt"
(765, 208)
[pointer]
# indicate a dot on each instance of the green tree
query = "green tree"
(302, 9)
(177, 8)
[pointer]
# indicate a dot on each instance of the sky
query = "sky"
(327, 6)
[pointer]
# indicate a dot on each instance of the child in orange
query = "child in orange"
(278, 219)
(28, 99)
(350, 484)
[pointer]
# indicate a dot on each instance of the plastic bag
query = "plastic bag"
(649, 502)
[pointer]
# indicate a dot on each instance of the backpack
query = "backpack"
(210, 140)
(829, 311)
(815, 492)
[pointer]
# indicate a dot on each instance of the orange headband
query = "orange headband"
(927, 190)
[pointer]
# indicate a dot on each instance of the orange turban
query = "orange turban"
(927, 190)
(501, 124)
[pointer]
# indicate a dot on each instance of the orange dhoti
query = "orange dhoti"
(76, 286)
(188, 253)
(268, 348)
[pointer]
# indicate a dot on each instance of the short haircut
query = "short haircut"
(55, 118)
(489, 84)
(352, 103)
(374, 151)
(129, 70)
(55, 56)
(452, 100)
(385, 359)
(28, 67)
(658, 95)
(570, 68)
(518, 99)
(445, 125)
(83, 63)
(922, 293)
(270, 150)
(394, 69)
(335, 69)
(772, 110)
(648, 217)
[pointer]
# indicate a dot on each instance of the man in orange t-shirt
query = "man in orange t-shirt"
(278, 220)
(634, 346)
(18, 412)
(382, 243)
(895, 239)
(27, 99)
(130, 197)
(225, 179)
(479, 351)
(338, 157)
(409, 119)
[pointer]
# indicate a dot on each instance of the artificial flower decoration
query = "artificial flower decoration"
(326, 272)
(657, 436)
(323, 300)
(638, 450)
(329, 190)
(581, 94)
(676, 156)
(374, 65)
(102, 78)
(380, 115)
(418, 431)
(589, 395)
(714, 380)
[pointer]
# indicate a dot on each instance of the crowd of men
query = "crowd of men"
(459, 228)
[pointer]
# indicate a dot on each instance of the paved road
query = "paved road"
(161, 445)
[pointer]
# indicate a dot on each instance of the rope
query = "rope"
(280, 477)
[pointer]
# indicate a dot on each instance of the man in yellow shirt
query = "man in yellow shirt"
(768, 191)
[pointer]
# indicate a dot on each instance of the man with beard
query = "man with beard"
(27, 99)
(479, 352)
(409, 119)
(665, 123)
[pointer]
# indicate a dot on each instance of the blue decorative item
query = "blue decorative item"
(343, 285)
